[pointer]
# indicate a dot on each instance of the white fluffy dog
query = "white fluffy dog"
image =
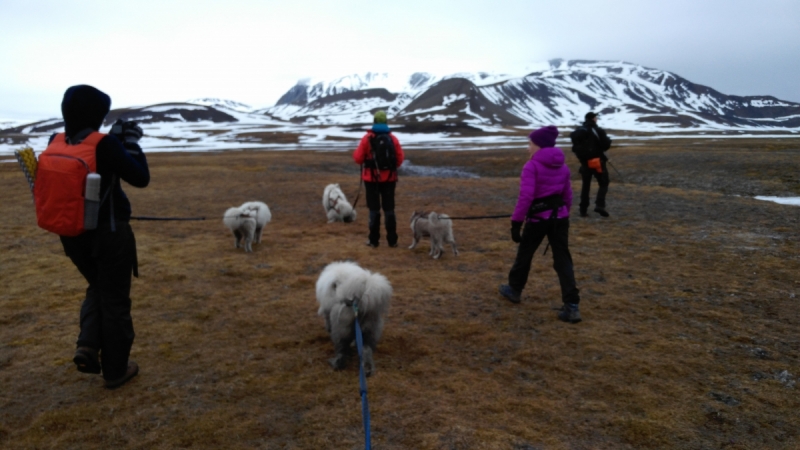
(336, 205)
(262, 215)
(338, 286)
(438, 226)
(243, 226)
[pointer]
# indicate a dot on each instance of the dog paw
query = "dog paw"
(369, 363)
(337, 362)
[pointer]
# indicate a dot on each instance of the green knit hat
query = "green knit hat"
(380, 117)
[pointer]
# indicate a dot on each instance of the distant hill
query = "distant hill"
(627, 96)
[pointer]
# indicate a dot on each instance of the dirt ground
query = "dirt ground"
(689, 299)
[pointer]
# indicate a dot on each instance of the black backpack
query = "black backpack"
(582, 144)
(383, 153)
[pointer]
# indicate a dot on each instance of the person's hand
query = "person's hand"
(128, 132)
(132, 132)
(515, 229)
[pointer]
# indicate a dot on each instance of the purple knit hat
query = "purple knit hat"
(544, 137)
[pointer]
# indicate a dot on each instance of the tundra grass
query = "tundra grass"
(689, 299)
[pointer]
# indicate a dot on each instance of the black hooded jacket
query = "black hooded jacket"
(84, 108)
(590, 141)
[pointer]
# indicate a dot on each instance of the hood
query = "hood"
(380, 128)
(550, 157)
(84, 107)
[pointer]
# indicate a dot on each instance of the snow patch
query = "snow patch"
(795, 201)
(165, 108)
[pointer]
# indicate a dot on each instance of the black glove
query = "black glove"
(515, 227)
(128, 132)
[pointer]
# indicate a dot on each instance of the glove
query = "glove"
(515, 227)
(128, 132)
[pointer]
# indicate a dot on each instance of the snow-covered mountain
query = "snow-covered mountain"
(627, 96)
(425, 107)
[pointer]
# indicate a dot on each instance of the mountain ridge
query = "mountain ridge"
(628, 97)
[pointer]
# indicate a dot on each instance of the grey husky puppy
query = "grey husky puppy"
(338, 286)
(438, 226)
(243, 226)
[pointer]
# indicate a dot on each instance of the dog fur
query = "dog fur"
(438, 227)
(262, 215)
(337, 208)
(243, 226)
(338, 285)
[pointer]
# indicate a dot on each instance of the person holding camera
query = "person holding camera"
(589, 143)
(542, 209)
(106, 255)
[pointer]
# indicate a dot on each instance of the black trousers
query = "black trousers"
(106, 260)
(381, 196)
(602, 181)
(557, 232)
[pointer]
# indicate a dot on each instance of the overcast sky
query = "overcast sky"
(144, 52)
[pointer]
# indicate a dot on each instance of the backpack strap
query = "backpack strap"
(111, 201)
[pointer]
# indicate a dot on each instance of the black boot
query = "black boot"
(570, 313)
(374, 228)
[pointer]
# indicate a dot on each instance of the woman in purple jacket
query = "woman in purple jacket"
(544, 177)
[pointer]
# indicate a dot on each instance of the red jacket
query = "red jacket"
(364, 153)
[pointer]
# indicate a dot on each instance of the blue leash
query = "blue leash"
(362, 379)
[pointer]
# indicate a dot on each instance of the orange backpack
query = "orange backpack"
(61, 182)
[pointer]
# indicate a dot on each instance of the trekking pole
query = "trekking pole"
(362, 380)
(615, 170)
(28, 163)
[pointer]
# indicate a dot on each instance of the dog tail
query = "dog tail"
(376, 295)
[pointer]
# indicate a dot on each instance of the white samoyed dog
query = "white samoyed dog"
(243, 226)
(340, 285)
(337, 208)
(262, 215)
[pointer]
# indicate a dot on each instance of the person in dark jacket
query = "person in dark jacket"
(106, 256)
(380, 183)
(589, 143)
(544, 177)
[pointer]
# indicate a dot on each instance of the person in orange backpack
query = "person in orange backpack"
(105, 255)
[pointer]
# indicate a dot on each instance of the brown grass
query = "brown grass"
(688, 298)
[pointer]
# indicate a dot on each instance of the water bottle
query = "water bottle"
(91, 201)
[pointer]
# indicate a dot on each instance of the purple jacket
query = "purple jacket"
(544, 175)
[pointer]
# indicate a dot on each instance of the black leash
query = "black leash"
(166, 218)
(500, 216)
(360, 183)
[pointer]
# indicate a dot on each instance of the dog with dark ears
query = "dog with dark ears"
(438, 227)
